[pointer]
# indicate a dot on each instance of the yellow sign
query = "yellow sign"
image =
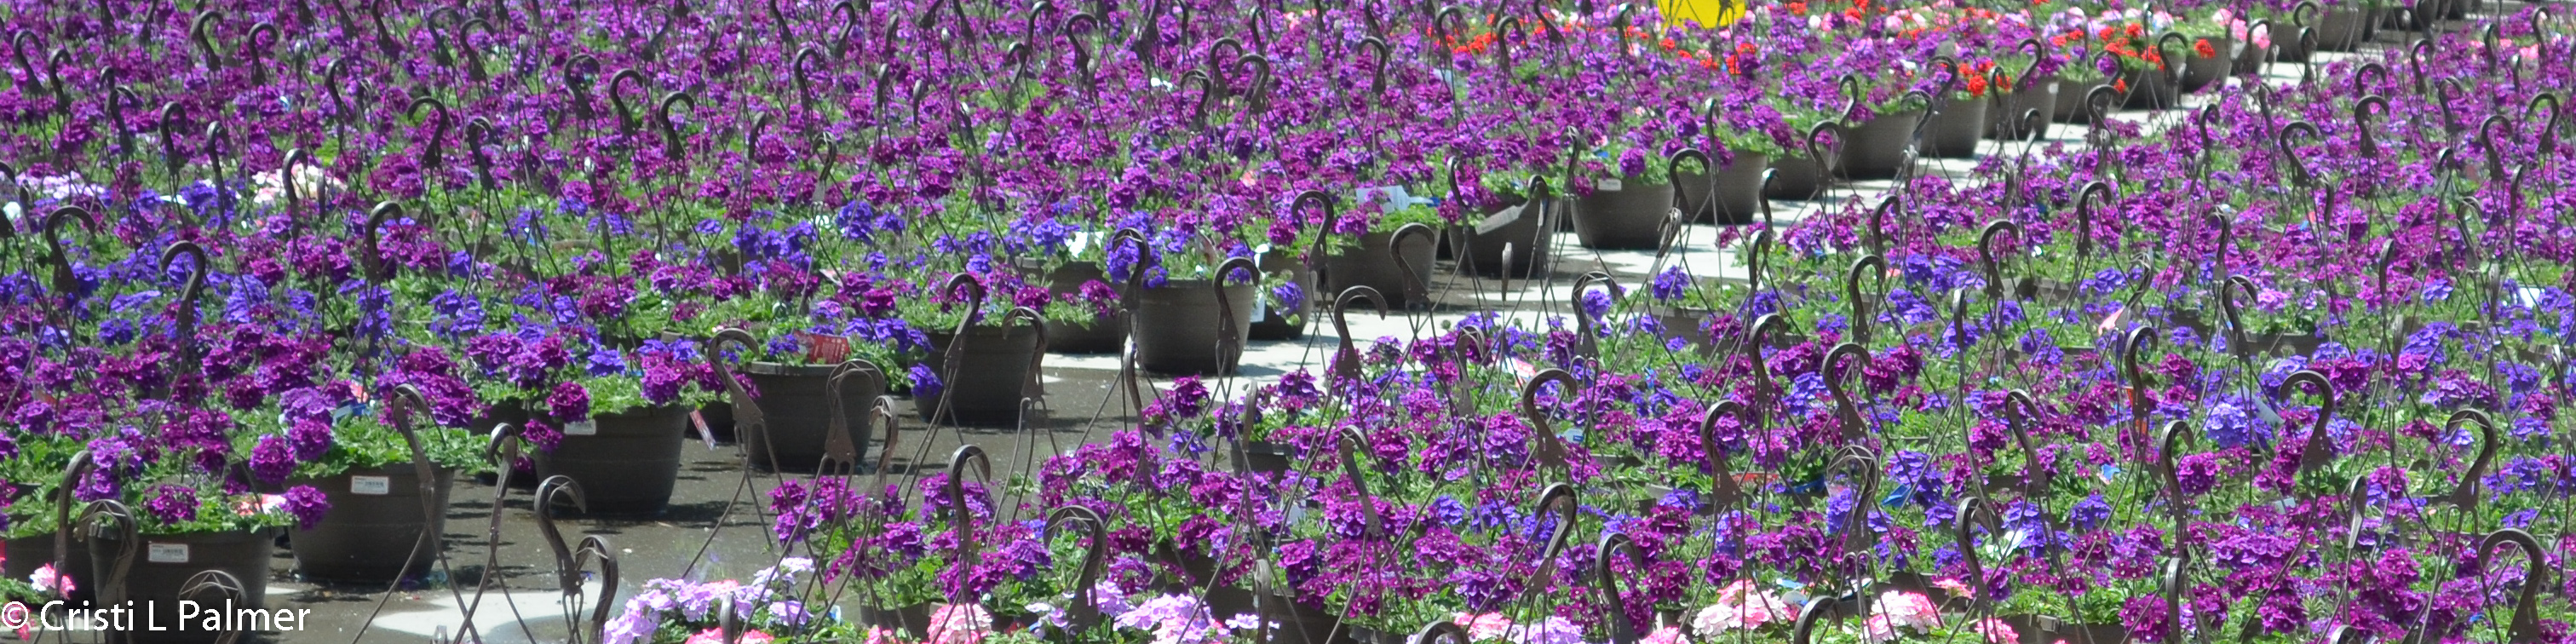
(1708, 13)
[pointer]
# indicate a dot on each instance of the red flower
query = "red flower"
(2121, 86)
(2203, 49)
(1798, 8)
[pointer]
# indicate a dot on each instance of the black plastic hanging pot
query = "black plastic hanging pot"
(992, 369)
(1520, 234)
(2204, 70)
(2339, 28)
(1798, 178)
(2070, 101)
(911, 621)
(1105, 335)
(1628, 216)
(1955, 131)
(797, 403)
(1876, 149)
(2006, 119)
(626, 461)
(374, 526)
(1370, 264)
(28, 553)
(2159, 86)
(1273, 323)
(1176, 325)
(159, 569)
(1739, 191)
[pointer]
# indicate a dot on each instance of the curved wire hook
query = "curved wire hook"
(2465, 496)
(2525, 626)
(1346, 360)
(1723, 488)
(1551, 448)
(1987, 260)
(1867, 265)
(183, 330)
(567, 572)
(959, 515)
(64, 281)
(1848, 411)
(2313, 454)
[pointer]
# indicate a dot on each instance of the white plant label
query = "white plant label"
(581, 428)
(1610, 185)
(375, 485)
(166, 553)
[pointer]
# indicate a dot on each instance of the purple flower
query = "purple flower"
(1596, 303)
(570, 403)
(2145, 617)
(662, 384)
(306, 505)
(544, 436)
(925, 383)
(272, 460)
(1291, 295)
(2089, 513)
(309, 438)
(174, 504)
(1670, 284)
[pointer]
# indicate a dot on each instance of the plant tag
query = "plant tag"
(699, 420)
(1388, 197)
(166, 553)
(1523, 372)
(373, 485)
(581, 428)
(824, 349)
(1608, 185)
(1500, 219)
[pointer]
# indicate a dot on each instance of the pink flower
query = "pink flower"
(716, 636)
(46, 580)
(1956, 588)
(1740, 605)
(1997, 632)
(960, 624)
(1483, 627)
(1909, 609)
(879, 635)
(1666, 635)
(1877, 629)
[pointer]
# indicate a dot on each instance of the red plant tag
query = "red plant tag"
(699, 419)
(824, 349)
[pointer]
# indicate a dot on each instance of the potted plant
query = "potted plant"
(987, 336)
(37, 510)
(329, 439)
(162, 510)
(1066, 258)
(772, 606)
(1623, 206)
(1368, 245)
(1197, 304)
(791, 372)
(617, 425)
